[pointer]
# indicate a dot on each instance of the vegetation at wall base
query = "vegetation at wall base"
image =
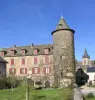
(8, 82)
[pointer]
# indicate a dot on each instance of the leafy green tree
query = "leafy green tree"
(81, 77)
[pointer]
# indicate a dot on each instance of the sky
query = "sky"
(23, 22)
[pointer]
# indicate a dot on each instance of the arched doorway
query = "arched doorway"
(47, 84)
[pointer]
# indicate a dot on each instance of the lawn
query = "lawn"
(49, 94)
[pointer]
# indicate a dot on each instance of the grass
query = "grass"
(91, 86)
(49, 94)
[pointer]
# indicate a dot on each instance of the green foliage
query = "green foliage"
(8, 82)
(81, 77)
(90, 95)
(70, 95)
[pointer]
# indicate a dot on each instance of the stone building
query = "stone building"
(86, 61)
(88, 66)
(39, 61)
(64, 55)
(34, 61)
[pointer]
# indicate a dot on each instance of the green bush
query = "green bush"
(90, 95)
(8, 82)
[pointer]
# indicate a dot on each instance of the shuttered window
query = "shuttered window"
(46, 59)
(35, 60)
(12, 61)
(47, 70)
(23, 70)
(35, 70)
(12, 71)
(23, 61)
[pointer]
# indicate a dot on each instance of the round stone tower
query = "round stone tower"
(64, 55)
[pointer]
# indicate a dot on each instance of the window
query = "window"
(35, 60)
(60, 26)
(12, 61)
(47, 70)
(46, 51)
(35, 51)
(23, 61)
(23, 70)
(23, 52)
(2, 53)
(35, 70)
(12, 52)
(46, 60)
(12, 70)
(84, 62)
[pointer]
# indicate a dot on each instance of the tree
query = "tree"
(81, 77)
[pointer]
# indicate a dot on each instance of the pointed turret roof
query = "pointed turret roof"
(62, 24)
(86, 54)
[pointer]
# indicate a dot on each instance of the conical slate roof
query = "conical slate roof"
(62, 24)
(86, 54)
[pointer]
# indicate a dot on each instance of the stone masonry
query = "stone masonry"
(63, 53)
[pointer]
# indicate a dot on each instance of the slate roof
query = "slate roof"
(29, 50)
(2, 60)
(62, 24)
(91, 69)
(86, 54)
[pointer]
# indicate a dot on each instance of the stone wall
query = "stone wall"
(64, 58)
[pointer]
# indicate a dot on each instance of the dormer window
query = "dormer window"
(23, 51)
(46, 51)
(2, 53)
(60, 25)
(12, 52)
(35, 51)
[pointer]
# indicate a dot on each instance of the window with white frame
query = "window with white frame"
(36, 70)
(23, 70)
(46, 51)
(13, 70)
(47, 70)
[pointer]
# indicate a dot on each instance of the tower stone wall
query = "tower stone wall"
(64, 56)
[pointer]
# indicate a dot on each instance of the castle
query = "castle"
(36, 61)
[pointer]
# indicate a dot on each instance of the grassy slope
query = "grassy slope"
(19, 94)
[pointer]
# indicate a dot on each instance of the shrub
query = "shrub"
(90, 95)
(8, 82)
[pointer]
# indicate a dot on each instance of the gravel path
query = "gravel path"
(88, 90)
